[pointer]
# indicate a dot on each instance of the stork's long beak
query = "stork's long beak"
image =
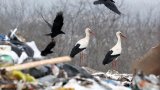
(92, 33)
(123, 36)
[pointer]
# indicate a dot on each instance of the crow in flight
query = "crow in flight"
(109, 4)
(48, 49)
(57, 25)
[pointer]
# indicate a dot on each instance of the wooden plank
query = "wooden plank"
(37, 63)
(8, 87)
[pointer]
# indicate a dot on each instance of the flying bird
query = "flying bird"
(109, 4)
(115, 51)
(57, 25)
(48, 49)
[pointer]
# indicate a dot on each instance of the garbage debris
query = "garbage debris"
(11, 45)
(17, 73)
(80, 81)
(144, 82)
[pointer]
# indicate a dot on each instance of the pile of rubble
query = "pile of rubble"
(69, 77)
(14, 50)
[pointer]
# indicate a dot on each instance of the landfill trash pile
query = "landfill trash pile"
(48, 76)
(70, 77)
(13, 49)
(143, 82)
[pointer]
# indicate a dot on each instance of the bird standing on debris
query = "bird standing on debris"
(81, 44)
(114, 52)
(57, 25)
(48, 49)
(109, 4)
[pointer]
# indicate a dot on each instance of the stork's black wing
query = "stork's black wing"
(112, 6)
(76, 50)
(109, 58)
(58, 23)
(48, 49)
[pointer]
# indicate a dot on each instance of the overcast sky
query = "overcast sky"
(142, 6)
(133, 5)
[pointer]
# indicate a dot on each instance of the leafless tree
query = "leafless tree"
(77, 16)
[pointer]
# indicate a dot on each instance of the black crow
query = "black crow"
(47, 50)
(57, 25)
(109, 4)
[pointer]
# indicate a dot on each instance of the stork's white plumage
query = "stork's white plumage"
(81, 44)
(115, 51)
(117, 48)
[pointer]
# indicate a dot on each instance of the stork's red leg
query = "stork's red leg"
(80, 58)
(112, 65)
(115, 64)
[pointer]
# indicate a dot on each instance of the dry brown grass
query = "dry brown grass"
(150, 62)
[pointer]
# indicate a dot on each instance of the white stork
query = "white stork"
(115, 51)
(82, 43)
